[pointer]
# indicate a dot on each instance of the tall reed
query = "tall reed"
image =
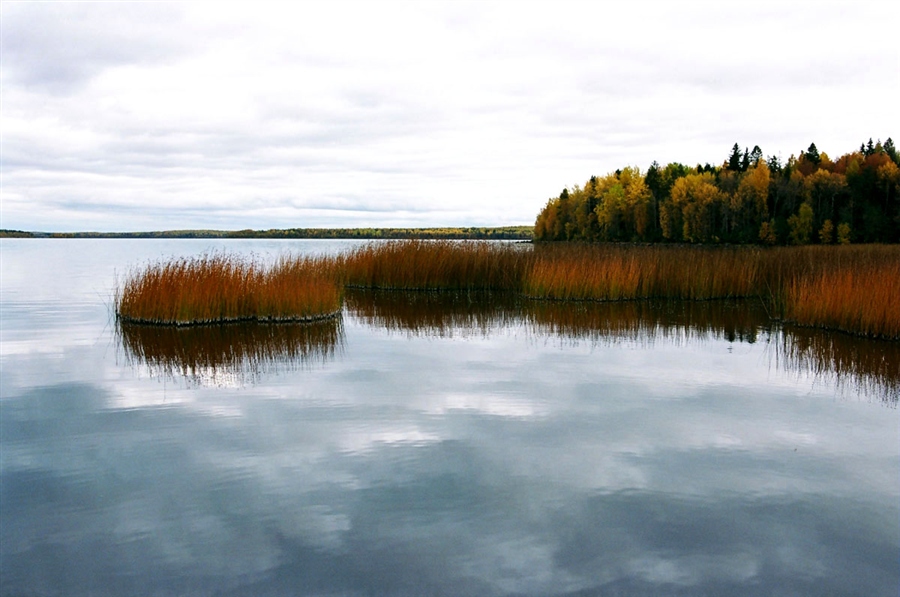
(217, 288)
(854, 289)
(620, 272)
(437, 265)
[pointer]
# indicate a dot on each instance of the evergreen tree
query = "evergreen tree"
(755, 155)
(734, 160)
(654, 182)
(891, 151)
(812, 154)
(870, 148)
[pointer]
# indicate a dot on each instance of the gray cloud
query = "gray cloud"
(60, 47)
(478, 111)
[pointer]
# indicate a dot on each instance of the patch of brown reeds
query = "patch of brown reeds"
(621, 272)
(437, 265)
(225, 288)
(854, 289)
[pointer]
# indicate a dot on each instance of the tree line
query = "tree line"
(746, 199)
(449, 233)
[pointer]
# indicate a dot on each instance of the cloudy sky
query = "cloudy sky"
(149, 116)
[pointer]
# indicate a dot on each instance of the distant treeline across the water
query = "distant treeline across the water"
(747, 199)
(496, 233)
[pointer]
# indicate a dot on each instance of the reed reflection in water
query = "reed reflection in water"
(867, 367)
(429, 313)
(227, 354)
(240, 353)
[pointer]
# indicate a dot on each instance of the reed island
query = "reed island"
(853, 288)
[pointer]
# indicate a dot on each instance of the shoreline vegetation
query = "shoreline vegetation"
(851, 289)
(223, 288)
(747, 199)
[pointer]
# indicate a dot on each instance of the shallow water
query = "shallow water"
(426, 444)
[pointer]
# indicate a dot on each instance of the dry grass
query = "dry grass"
(220, 288)
(854, 289)
(618, 272)
(437, 265)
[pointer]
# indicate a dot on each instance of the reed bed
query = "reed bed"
(226, 288)
(437, 265)
(617, 272)
(854, 289)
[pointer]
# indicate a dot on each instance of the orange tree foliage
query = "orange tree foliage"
(743, 200)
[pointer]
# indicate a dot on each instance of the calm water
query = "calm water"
(425, 445)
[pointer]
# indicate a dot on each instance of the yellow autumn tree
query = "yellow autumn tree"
(700, 204)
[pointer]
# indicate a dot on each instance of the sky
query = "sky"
(162, 116)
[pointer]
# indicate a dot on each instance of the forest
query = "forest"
(747, 199)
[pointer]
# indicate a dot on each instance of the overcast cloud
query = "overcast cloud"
(144, 116)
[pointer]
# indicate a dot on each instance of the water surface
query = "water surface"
(430, 444)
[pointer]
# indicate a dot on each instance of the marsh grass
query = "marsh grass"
(227, 288)
(437, 265)
(855, 289)
(623, 272)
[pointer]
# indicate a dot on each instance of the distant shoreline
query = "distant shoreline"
(487, 233)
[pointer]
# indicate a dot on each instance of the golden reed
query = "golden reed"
(227, 288)
(850, 288)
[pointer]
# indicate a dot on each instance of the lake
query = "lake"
(426, 444)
